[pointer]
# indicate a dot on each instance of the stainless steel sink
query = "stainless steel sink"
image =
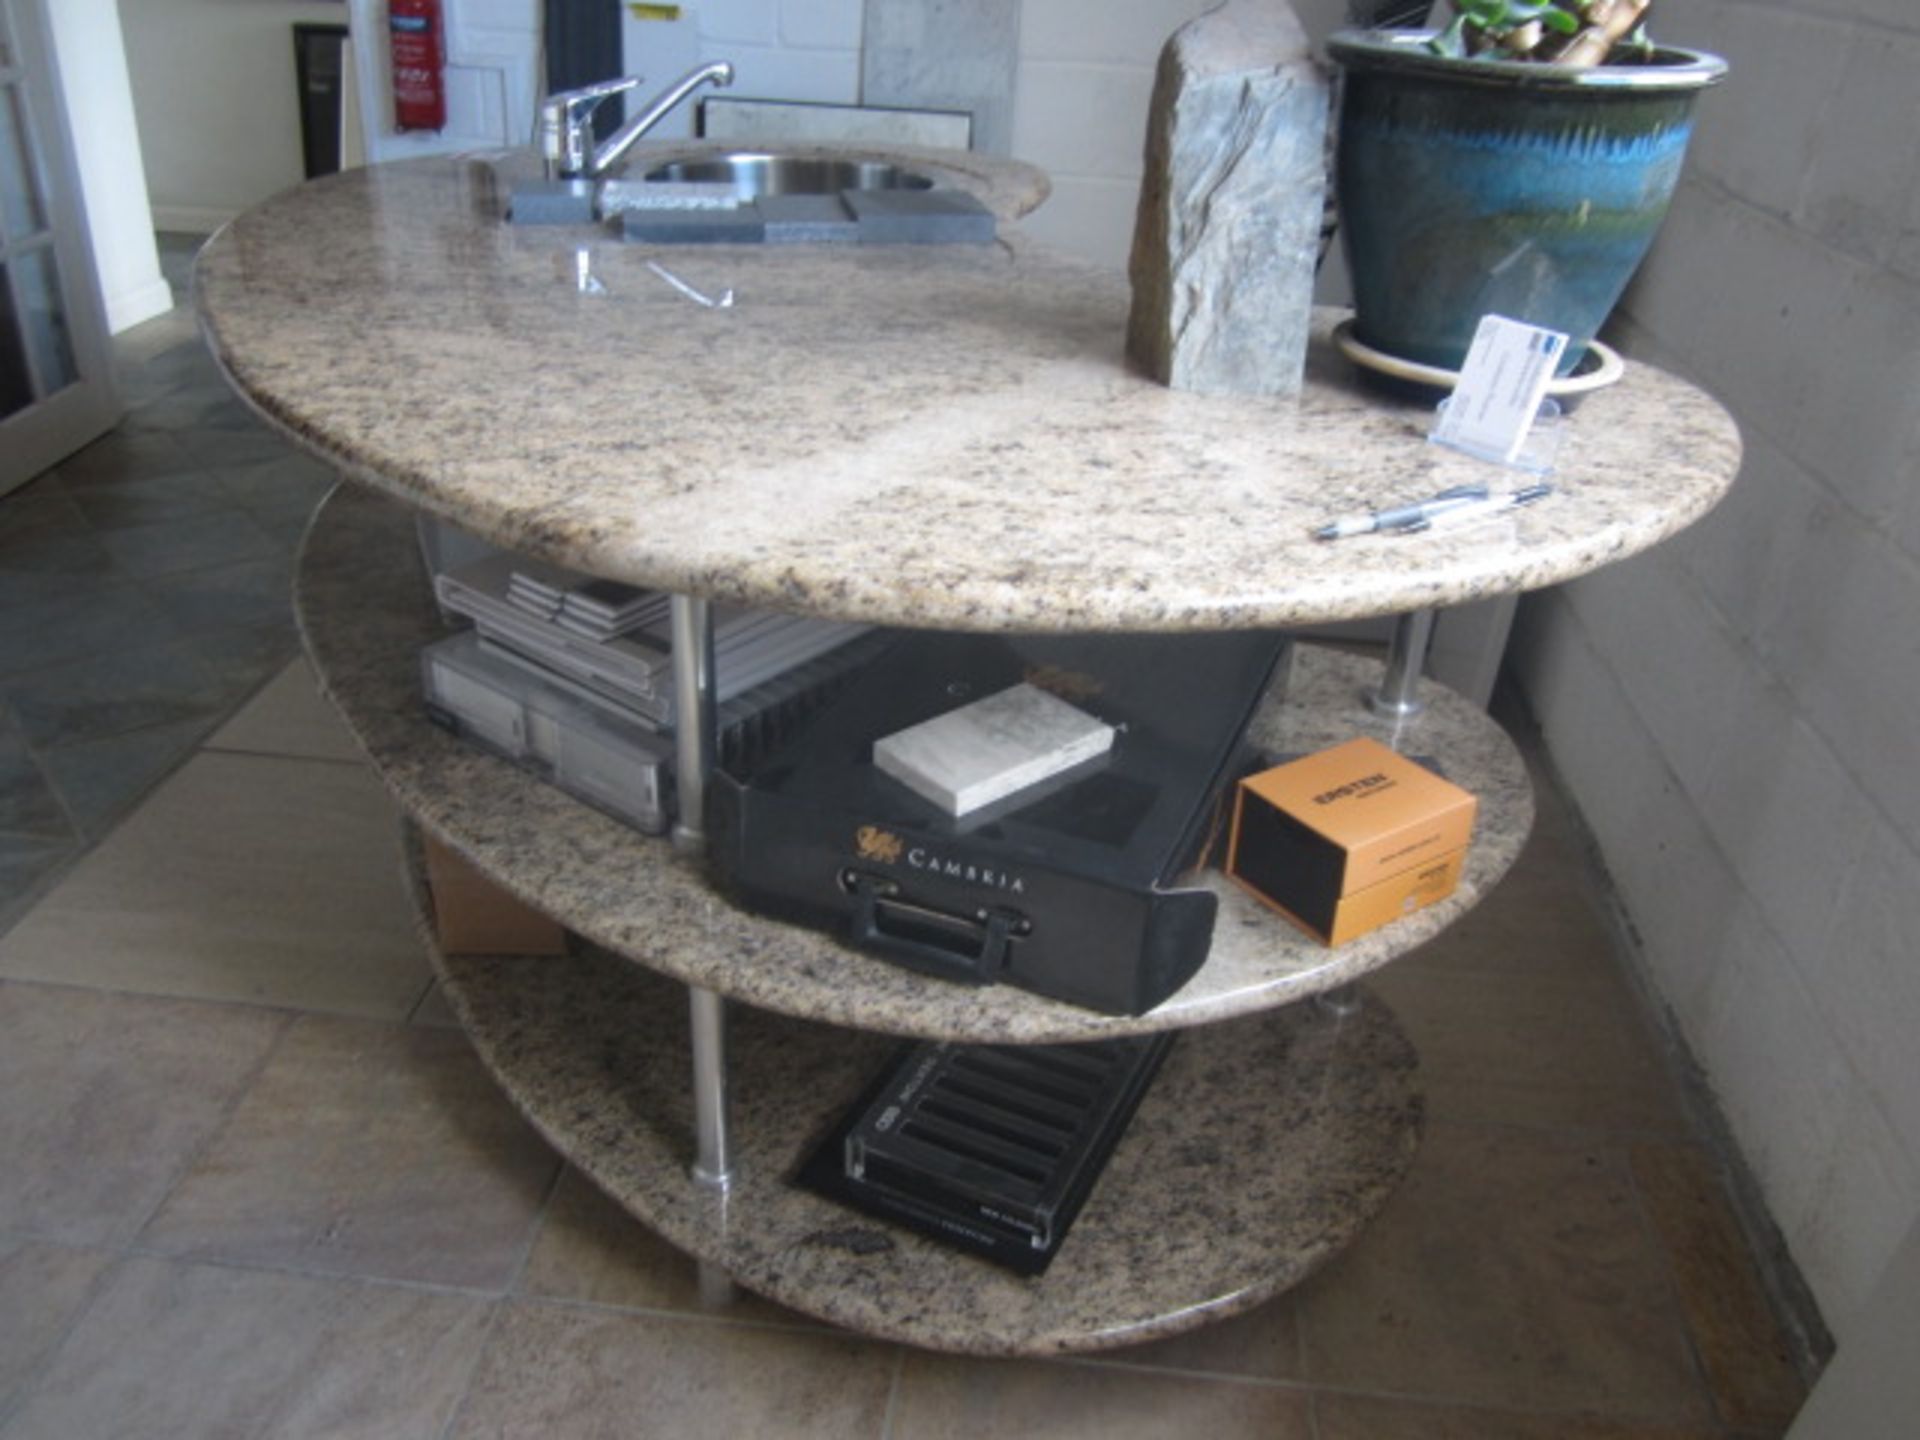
(754, 175)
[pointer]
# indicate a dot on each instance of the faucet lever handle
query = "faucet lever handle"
(563, 123)
(589, 96)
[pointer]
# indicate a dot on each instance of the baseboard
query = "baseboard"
(128, 308)
(190, 219)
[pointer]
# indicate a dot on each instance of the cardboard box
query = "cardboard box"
(474, 916)
(1343, 841)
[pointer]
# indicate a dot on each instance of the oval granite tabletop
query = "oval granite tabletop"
(941, 436)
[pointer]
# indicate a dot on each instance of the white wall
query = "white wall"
(213, 87)
(780, 50)
(1080, 108)
(1739, 710)
(493, 76)
(100, 116)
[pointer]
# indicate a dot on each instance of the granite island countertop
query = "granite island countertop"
(940, 436)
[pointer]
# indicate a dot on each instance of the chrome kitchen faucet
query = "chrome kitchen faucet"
(566, 128)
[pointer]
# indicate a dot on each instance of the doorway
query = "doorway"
(56, 372)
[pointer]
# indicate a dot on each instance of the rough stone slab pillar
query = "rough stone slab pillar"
(1228, 231)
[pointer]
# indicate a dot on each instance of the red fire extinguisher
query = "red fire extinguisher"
(419, 64)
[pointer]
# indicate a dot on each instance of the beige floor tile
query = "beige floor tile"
(373, 1150)
(184, 1350)
(590, 1249)
(564, 1374)
(1745, 1356)
(1540, 1050)
(289, 716)
(1511, 1270)
(42, 1288)
(945, 1397)
(1263, 1343)
(1343, 1417)
(105, 1099)
(244, 878)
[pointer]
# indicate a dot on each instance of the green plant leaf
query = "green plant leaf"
(1555, 18)
(1451, 41)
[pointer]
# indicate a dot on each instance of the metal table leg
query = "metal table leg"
(694, 747)
(1399, 692)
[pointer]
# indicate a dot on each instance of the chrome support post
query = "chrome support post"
(694, 717)
(694, 738)
(713, 1150)
(1399, 694)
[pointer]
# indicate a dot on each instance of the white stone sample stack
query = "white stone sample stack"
(1228, 231)
(990, 749)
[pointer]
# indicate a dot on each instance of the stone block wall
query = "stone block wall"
(1738, 712)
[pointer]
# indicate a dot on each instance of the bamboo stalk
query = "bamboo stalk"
(1592, 44)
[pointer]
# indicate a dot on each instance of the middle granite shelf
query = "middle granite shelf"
(366, 609)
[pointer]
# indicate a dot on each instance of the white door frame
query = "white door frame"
(47, 431)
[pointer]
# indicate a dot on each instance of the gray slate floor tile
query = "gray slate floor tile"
(248, 593)
(371, 1150)
(105, 1099)
(244, 878)
(170, 547)
(100, 780)
(103, 619)
(102, 695)
(564, 1374)
(28, 805)
(42, 1289)
(170, 1350)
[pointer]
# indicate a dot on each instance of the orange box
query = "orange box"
(474, 916)
(1343, 841)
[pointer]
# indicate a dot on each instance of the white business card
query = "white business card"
(1502, 383)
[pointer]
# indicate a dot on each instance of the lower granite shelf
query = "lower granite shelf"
(366, 609)
(1263, 1147)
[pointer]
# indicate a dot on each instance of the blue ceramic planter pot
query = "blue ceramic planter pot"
(1470, 187)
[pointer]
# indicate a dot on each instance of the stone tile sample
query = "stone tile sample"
(1746, 1357)
(557, 1372)
(368, 1150)
(1512, 1270)
(245, 878)
(1227, 238)
(183, 1350)
(920, 217)
(945, 1398)
(366, 611)
(42, 1289)
(106, 1099)
(945, 55)
(1301, 1119)
(952, 432)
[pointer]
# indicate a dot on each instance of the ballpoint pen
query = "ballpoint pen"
(1477, 510)
(1400, 517)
